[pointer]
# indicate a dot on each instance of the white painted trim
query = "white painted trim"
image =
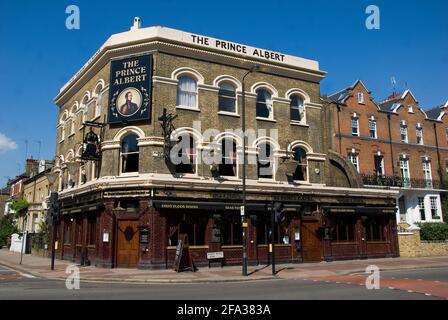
(179, 72)
(188, 108)
(228, 78)
(264, 85)
(120, 134)
(300, 143)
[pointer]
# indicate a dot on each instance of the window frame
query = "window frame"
(361, 98)
(404, 133)
(351, 158)
(234, 99)
(373, 124)
(355, 120)
(419, 135)
(191, 93)
(270, 107)
(301, 109)
(129, 153)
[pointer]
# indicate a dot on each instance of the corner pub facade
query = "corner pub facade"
(129, 208)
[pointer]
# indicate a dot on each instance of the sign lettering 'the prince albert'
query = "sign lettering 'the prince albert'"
(130, 89)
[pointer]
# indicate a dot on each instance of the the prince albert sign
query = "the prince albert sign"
(130, 89)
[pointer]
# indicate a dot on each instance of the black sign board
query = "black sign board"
(144, 235)
(130, 89)
(182, 260)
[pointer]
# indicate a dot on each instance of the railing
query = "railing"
(399, 182)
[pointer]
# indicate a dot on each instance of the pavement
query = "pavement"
(39, 267)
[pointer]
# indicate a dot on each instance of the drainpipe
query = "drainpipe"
(339, 129)
(391, 147)
(439, 171)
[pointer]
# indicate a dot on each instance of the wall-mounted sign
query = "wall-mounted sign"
(130, 89)
(106, 237)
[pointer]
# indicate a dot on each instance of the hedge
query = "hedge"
(433, 231)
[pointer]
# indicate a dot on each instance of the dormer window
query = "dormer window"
(410, 109)
(361, 97)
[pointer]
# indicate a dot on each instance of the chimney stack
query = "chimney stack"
(137, 24)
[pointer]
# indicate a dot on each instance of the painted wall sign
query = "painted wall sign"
(130, 89)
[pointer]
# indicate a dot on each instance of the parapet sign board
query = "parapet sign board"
(130, 89)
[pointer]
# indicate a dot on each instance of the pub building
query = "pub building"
(124, 203)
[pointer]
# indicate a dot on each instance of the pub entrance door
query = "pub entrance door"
(127, 243)
(311, 243)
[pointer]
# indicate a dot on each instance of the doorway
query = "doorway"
(311, 244)
(127, 243)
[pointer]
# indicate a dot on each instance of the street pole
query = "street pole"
(53, 244)
(243, 125)
(23, 238)
(273, 237)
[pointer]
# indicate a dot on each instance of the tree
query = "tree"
(20, 207)
(7, 228)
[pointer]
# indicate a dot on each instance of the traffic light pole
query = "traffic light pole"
(273, 237)
(53, 244)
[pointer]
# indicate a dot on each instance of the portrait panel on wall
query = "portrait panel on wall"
(130, 89)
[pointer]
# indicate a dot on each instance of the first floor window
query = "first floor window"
(187, 92)
(379, 166)
(404, 168)
(227, 97)
(301, 171)
(427, 173)
(421, 208)
(265, 161)
(353, 157)
(404, 134)
(434, 209)
(372, 129)
(129, 153)
(186, 162)
(227, 167)
(264, 104)
(419, 134)
(297, 109)
(355, 127)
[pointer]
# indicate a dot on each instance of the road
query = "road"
(14, 285)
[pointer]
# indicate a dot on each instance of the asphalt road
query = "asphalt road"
(23, 288)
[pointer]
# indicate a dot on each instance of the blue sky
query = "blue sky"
(38, 54)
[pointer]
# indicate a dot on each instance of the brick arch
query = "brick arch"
(338, 162)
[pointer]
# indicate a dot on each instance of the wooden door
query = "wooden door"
(311, 244)
(127, 244)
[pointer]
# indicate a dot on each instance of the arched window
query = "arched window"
(264, 104)
(129, 153)
(301, 171)
(227, 167)
(186, 155)
(227, 97)
(297, 108)
(265, 161)
(187, 92)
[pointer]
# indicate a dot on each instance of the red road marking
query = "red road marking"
(439, 289)
(10, 277)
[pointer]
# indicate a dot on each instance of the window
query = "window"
(265, 161)
(344, 229)
(72, 125)
(419, 133)
(361, 97)
(186, 155)
(297, 109)
(410, 109)
(67, 231)
(301, 171)
(404, 134)
(446, 166)
(187, 92)
(227, 167)
(353, 157)
(231, 230)
(375, 229)
(92, 230)
(129, 154)
(434, 210)
(227, 97)
(421, 208)
(264, 104)
(404, 169)
(372, 129)
(264, 231)
(379, 165)
(194, 226)
(427, 173)
(355, 127)
(98, 99)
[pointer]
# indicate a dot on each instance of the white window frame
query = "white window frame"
(421, 206)
(361, 98)
(235, 87)
(373, 124)
(404, 170)
(419, 135)
(427, 174)
(404, 131)
(196, 93)
(434, 206)
(353, 157)
(355, 120)
(128, 153)
(269, 107)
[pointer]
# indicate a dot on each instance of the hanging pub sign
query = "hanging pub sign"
(130, 89)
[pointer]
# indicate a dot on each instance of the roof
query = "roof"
(434, 113)
(138, 36)
(340, 97)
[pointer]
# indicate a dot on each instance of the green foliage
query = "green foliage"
(7, 228)
(444, 199)
(20, 207)
(433, 231)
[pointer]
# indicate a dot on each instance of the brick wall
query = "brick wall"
(411, 246)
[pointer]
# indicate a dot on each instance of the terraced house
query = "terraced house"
(125, 203)
(395, 145)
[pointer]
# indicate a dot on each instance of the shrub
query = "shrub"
(433, 231)
(7, 228)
